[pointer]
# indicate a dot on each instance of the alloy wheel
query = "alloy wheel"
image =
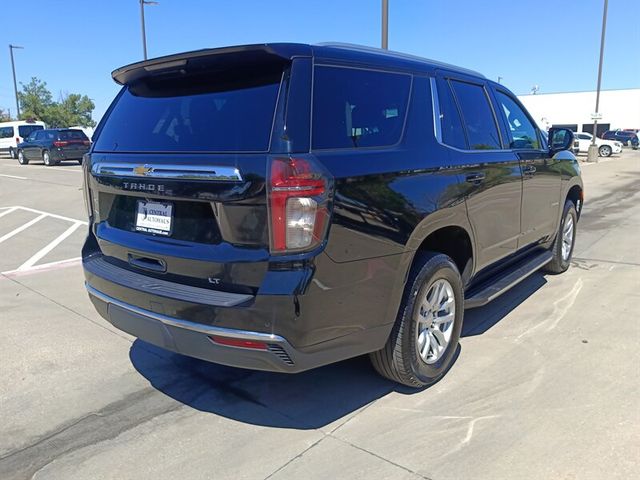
(435, 318)
(567, 237)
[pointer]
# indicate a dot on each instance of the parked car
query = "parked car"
(244, 214)
(606, 148)
(13, 133)
(53, 146)
(627, 138)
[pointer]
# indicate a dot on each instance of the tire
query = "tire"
(46, 158)
(562, 247)
(12, 153)
(21, 159)
(605, 151)
(410, 357)
(80, 162)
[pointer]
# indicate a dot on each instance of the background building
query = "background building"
(619, 108)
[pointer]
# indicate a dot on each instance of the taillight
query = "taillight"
(60, 143)
(18, 140)
(86, 142)
(299, 192)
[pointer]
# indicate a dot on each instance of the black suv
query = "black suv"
(283, 206)
(53, 146)
(627, 137)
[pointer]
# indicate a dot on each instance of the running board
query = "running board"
(507, 280)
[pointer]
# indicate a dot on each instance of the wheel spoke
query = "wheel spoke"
(439, 336)
(434, 343)
(424, 350)
(444, 319)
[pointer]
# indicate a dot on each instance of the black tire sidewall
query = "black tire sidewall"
(436, 268)
(569, 209)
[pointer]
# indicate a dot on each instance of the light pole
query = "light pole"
(385, 24)
(144, 35)
(593, 148)
(15, 84)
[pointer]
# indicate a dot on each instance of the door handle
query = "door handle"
(147, 263)
(529, 170)
(475, 177)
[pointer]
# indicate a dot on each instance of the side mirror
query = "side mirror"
(560, 139)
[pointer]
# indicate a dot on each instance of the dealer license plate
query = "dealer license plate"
(154, 217)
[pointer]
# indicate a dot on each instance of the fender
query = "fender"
(454, 216)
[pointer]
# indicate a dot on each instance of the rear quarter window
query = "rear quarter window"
(356, 108)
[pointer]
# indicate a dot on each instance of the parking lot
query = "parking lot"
(545, 387)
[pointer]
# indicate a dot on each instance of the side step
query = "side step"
(508, 279)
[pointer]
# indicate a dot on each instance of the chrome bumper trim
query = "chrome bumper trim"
(178, 172)
(187, 325)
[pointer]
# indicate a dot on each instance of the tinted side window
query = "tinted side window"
(523, 133)
(358, 108)
(25, 130)
(6, 132)
(451, 123)
(479, 121)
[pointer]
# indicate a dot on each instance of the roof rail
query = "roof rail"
(399, 55)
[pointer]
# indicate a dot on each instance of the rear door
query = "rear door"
(541, 179)
(492, 175)
(31, 150)
(178, 171)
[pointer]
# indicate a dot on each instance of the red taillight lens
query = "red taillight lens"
(60, 143)
(298, 198)
(18, 140)
(86, 142)
(237, 342)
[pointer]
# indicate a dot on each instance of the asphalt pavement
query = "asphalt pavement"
(546, 385)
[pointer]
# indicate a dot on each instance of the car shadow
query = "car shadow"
(306, 400)
(478, 320)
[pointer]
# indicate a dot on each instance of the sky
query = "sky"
(73, 45)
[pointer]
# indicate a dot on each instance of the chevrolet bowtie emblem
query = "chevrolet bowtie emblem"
(142, 170)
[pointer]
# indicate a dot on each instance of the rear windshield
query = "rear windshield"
(223, 112)
(25, 130)
(72, 135)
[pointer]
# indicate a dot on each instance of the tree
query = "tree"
(72, 109)
(4, 116)
(35, 100)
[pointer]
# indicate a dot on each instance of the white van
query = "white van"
(12, 133)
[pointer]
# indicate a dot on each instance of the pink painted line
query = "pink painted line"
(45, 267)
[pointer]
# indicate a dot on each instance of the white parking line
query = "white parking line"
(23, 227)
(13, 176)
(53, 215)
(31, 262)
(7, 210)
(41, 167)
(45, 267)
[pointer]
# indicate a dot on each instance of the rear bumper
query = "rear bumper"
(193, 339)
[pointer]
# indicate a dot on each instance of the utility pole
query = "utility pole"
(15, 83)
(385, 24)
(593, 148)
(144, 35)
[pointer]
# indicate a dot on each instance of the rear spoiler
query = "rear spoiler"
(243, 54)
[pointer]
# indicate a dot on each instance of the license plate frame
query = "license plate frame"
(158, 222)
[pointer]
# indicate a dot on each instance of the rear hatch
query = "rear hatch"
(177, 171)
(74, 143)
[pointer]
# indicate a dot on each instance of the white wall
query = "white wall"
(620, 108)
